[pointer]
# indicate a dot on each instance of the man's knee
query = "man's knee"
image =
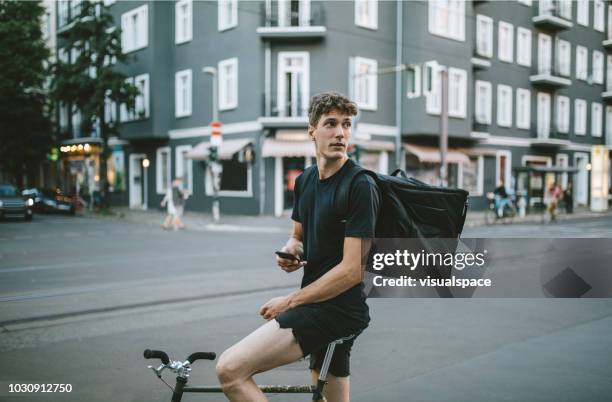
(230, 369)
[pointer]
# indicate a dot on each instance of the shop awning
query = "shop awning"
(370, 145)
(226, 151)
(278, 148)
(427, 154)
(478, 151)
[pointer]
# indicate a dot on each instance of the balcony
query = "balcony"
(293, 114)
(549, 137)
(296, 22)
(607, 94)
(551, 16)
(549, 77)
(478, 126)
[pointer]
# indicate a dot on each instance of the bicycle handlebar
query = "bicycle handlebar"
(156, 354)
(202, 356)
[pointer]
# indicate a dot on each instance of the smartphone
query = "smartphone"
(287, 256)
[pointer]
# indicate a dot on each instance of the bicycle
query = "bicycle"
(492, 213)
(182, 369)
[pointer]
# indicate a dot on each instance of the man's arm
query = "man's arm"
(293, 246)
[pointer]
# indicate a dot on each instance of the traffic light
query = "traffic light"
(213, 154)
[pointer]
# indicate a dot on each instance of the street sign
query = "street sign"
(216, 138)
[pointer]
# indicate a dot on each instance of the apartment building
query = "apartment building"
(527, 87)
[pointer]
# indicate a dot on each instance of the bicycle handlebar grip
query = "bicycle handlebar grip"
(156, 354)
(202, 356)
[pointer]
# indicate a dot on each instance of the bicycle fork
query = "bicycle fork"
(317, 395)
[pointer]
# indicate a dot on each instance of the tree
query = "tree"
(90, 80)
(25, 129)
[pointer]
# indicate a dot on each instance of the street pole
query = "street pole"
(214, 166)
(444, 127)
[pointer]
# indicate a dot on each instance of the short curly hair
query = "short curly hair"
(326, 102)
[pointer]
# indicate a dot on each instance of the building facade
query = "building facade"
(527, 86)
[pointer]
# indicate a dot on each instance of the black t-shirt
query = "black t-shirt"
(323, 230)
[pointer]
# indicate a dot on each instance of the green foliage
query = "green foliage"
(25, 130)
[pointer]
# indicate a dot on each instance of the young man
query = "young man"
(331, 303)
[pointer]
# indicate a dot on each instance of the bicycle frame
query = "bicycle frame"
(184, 368)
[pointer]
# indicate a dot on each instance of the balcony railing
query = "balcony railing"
(548, 76)
(550, 15)
(478, 126)
(293, 17)
(548, 136)
(289, 108)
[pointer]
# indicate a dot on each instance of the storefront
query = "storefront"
(80, 167)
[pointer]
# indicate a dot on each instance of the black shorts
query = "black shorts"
(315, 327)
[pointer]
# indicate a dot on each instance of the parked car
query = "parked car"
(12, 204)
(50, 201)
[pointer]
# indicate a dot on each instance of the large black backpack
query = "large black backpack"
(410, 208)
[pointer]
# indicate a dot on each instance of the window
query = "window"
(504, 106)
(609, 73)
(457, 92)
(608, 125)
(483, 102)
(366, 13)
(581, 63)
(63, 115)
(110, 109)
(523, 108)
(505, 47)
(236, 180)
(184, 167)
(484, 35)
(182, 93)
(183, 21)
(609, 22)
(228, 84)
(582, 12)
(135, 29)
(227, 14)
(126, 113)
(580, 111)
(472, 176)
(290, 13)
(598, 67)
(365, 82)
(77, 122)
(142, 100)
(162, 170)
(543, 115)
(63, 7)
(565, 9)
(544, 54)
(293, 84)
(433, 100)
(596, 117)
(563, 114)
(62, 55)
(447, 18)
(564, 57)
(503, 168)
(523, 46)
(598, 15)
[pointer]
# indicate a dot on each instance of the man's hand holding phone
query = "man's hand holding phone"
(289, 261)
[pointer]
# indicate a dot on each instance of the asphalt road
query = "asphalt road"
(81, 298)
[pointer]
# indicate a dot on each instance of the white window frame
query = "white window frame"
(580, 119)
(484, 35)
(227, 14)
(543, 120)
(159, 185)
(599, 16)
(545, 65)
(508, 170)
(368, 83)
(562, 114)
(182, 35)
(565, 9)
(143, 97)
(509, 42)
(582, 12)
(462, 79)
(433, 99)
(282, 84)
(523, 120)
(126, 114)
(596, 119)
(454, 28)
(598, 67)
(228, 101)
(369, 9)
(609, 73)
(564, 57)
(608, 125)
(180, 109)
(523, 46)
(582, 63)
(500, 113)
(128, 42)
(483, 116)
(178, 167)
(609, 22)
(248, 193)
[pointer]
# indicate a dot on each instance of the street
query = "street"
(82, 297)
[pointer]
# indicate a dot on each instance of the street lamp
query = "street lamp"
(214, 166)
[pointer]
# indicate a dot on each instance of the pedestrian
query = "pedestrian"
(171, 210)
(568, 198)
(175, 201)
(331, 302)
(552, 198)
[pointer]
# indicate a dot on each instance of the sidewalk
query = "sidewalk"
(200, 221)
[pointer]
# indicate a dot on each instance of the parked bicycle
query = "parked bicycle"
(183, 368)
(496, 213)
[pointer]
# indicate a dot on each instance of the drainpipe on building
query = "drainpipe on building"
(398, 85)
(444, 126)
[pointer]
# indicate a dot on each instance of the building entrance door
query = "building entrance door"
(137, 178)
(581, 195)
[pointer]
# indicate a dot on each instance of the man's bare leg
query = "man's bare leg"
(267, 347)
(337, 389)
